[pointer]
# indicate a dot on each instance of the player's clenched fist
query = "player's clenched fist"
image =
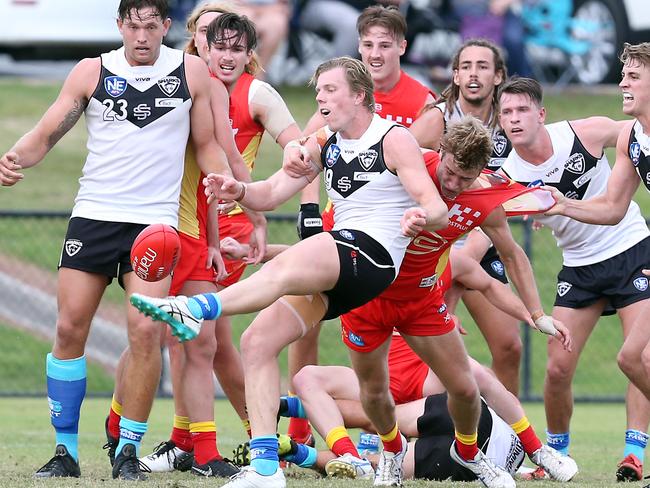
(413, 221)
(9, 168)
(223, 188)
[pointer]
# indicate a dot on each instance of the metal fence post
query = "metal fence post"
(526, 369)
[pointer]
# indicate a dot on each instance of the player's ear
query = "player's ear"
(166, 24)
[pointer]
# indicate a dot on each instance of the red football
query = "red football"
(155, 252)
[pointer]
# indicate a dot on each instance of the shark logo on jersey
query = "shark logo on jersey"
(641, 283)
(575, 163)
(73, 246)
(500, 143)
(169, 84)
(497, 266)
(563, 288)
(367, 158)
(115, 85)
(635, 152)
(332, 155)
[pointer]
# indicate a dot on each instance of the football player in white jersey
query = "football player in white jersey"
(331, 272)
(131, 179)
(602, 265)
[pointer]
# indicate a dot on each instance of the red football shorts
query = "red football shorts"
(407, 371)
(365, 328)
(239, 228)
(191, 265)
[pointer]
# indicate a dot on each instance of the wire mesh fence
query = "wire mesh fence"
(30, 245)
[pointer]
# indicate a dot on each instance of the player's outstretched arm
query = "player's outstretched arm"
(470, 274)
(610, 207)
(521, 273)
(62, 115)
(403, 156)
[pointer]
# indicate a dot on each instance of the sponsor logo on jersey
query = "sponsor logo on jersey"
(367, 158)
(73, 246)
(552, 172)
(499, 143)
(360, 176)
(168, 102)
(55, 407)
(428, 281)
(141, 79)
(497, 266)
(378, 107)
(584, 178)
(355, 339)
(462, 217)
(635, 153)
(535, 183)
(346, 234)
(115, 85)
(563, 288)
(641, 283)
(442, 309)
(573, 195)
(169, 84)
(332, 155)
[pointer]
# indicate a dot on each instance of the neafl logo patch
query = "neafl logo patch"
(73, 246)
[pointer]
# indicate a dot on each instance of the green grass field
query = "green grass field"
(52, 185)
(26, 435)
(27, 442)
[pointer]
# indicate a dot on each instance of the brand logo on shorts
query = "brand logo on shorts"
(575, 163)
(635, 153)
(355, 339)
(346, 234)
(169, 84)
(641, 283)
(332, 155)
(497, 266)
(115, 85)
(563, 288)
(499, 143)
(73, 246)
(367, 158)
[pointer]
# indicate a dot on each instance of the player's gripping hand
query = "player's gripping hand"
(549, 326)
(223, 188)
(413, 221)
(9, 168)
(310, 222)
(296, 161)
(560, 201)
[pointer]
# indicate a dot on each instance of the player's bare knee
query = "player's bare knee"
(464, 391)
(255, 347)
(70, 334)
(628, 362)
(305, 380)
(558, 373)
(508, 352)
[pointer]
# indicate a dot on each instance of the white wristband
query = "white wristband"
(545, 325)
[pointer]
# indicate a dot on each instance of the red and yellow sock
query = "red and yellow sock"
(392, 440)
(247, 427)
(339, 442)
(204, 436)
(527, 435)
(181, 433)
(467, 445)
(114, 416)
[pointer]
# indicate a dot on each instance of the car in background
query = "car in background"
(63, 29)
(616, 21)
